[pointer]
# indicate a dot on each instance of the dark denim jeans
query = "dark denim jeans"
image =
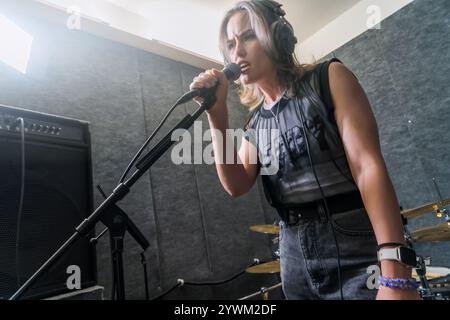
(309, 259)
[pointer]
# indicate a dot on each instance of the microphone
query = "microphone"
(232, 72)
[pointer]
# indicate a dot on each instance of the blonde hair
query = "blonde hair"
(289, 69)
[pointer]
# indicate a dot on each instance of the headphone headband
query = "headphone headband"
(282, 31)
(274, 6)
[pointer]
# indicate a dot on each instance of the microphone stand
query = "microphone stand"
(119, 221)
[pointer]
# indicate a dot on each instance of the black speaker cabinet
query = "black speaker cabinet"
(57, 197)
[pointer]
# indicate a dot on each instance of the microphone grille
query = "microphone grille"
(232, 71)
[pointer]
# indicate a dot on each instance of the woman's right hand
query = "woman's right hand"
(209, 79)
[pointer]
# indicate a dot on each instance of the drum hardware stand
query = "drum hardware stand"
(421, 269)
(440, 212)
(264, 292)
(438, 208)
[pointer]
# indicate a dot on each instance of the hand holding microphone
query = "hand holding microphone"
(216, 80)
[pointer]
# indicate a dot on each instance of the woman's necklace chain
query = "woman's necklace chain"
(278, 108)
(278, 111)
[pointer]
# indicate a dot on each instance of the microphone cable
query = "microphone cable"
(181, 282)
(327, 211)
(22, 192)
(141, 150)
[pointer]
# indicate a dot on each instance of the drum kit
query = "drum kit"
(434, 282)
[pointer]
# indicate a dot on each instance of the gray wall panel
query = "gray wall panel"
(179, 223)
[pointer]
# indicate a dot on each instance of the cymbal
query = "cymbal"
(439, 232)
(434, 272)
(266, 228)
(436, 276)
(268, 267)
(428, 275)
(415, 212)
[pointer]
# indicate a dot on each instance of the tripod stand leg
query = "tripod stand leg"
(117, 250)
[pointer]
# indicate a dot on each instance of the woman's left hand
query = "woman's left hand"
(385, 293)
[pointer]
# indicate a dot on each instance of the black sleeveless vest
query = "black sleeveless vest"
(291, 182)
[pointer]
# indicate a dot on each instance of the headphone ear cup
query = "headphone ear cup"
(275, 36)
(284, 38)
(290, 39)
(281, 29)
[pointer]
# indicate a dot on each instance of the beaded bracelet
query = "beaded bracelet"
(400, 283)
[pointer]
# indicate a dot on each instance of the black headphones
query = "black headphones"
(281, 29)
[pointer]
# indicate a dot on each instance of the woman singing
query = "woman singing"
(331, 188)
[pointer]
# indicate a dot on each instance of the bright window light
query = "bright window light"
(15, 45)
